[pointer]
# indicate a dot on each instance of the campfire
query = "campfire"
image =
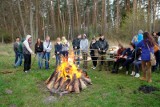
(68, 78)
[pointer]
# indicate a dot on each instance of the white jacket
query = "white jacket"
(27, 46)
(47, 46)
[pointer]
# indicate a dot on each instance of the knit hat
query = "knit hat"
(140, 32)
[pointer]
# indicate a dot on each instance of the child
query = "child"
(58, 50)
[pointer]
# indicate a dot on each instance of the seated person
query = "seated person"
(119, 58)
(136, 64)
(130, 52)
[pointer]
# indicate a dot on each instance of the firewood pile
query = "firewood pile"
(67, 78)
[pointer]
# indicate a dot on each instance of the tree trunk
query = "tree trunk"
(103, 24)
(117, 16)
(22, 21)
(149, 16)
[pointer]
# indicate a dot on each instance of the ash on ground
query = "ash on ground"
(147, 89)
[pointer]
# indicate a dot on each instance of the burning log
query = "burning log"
(67, 78)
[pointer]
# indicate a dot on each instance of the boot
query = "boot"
(144, 76)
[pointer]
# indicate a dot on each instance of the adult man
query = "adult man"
(47, 46)
(84, 49)
(15, 48)
(76, 48)
(102, 49)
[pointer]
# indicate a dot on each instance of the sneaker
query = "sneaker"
(94, 68)
(133, 73)
(25, 71)
(137, 75)
(120, 68)
(126, 72)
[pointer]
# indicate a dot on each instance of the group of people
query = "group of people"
(133, 58)
(138, 55)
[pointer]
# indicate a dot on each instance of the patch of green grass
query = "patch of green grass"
(108, 90)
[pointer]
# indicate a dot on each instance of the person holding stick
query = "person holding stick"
(27, 51)
(47, 47)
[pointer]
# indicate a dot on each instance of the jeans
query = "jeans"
(137, 65)
(127, 63)
(58, 59)
(16, 57)
(27, 62)
(47, 57)
(77, 56)
(19, 61)
(40, 59)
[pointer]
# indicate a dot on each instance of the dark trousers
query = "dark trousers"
(27, 62)
(94, 60)
(117, 64)
(157, 55)
(127, 64)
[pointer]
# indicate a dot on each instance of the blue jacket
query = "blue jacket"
(145, 51)
(58, 48)
(139, 39)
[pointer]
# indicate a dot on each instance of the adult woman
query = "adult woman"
(39, 52)
(94, 52)
(147, 46)
(118, 58)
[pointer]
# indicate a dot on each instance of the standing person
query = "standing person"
(76, 48)
(156, 52)
(84, 50)
(47, 47)
(102, 49)
(65, 47)
(15, 48)
(39, 52)
(137, 38)
(20, 54)
(58, 50)
(27, 51)
(94, 52)
(147, 46)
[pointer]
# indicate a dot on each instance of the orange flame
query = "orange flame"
(67, 68)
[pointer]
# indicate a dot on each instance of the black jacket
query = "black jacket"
(93, 47)
(103, 46)
(76, 43)
(39, 48)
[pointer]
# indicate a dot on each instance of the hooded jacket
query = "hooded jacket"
(27, 46)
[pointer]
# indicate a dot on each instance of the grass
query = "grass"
(108, 90)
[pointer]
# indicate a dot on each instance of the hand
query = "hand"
(75, 47)
(104, 51)
(57, 52)
(33, 53)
